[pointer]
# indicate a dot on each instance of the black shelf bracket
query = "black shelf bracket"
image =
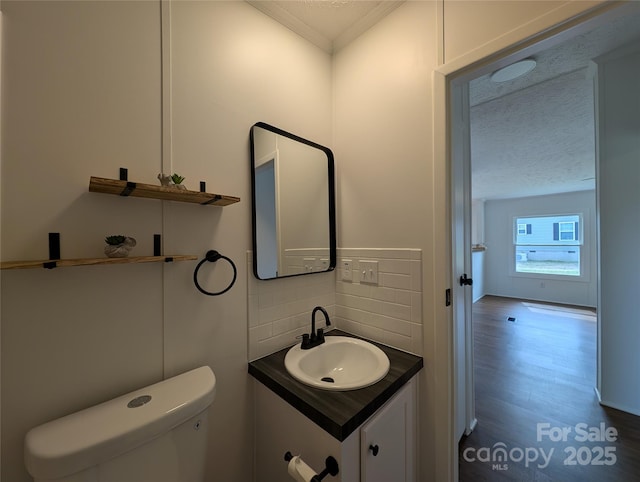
(54, 245)
(54, 251)
(214, 199)
(128, 189)
(157, 245)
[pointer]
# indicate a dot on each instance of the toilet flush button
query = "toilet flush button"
(139, 401)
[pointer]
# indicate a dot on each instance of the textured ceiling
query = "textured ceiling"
(535, 141)
(536, 135)
(530, 136)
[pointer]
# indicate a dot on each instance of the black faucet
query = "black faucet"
(315, 338)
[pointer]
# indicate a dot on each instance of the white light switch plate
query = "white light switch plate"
(368, 272)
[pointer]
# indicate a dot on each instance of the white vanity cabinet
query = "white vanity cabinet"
(387, 441)
(281, 428)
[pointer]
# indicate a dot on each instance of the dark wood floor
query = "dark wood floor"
(541, 369)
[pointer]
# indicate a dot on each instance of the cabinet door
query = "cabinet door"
(386, 441)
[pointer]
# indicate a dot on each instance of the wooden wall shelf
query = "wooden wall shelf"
(151, 191)
(60, 263)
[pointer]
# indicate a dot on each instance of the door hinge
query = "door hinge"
(447, 297)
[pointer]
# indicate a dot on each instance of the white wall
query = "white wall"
(82, 84)
(478, 253)
(383, 149)
(499, 281)
(391, 188)
(78, 101)
(619, 218)
(478, 270)
(499, 19)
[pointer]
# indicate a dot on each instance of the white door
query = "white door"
(461, 255)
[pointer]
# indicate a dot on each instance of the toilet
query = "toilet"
(157, 433)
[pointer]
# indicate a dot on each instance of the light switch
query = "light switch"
(368, 272)
(309, 264)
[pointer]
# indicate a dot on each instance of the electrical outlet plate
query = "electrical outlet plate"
(346, 269)
(322, 264)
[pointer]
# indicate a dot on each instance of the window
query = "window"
(565, 231)
(548, 245)
(524, 229)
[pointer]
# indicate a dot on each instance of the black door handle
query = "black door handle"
(464, 281)
(374, 449)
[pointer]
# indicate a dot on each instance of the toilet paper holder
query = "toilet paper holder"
(331, 467)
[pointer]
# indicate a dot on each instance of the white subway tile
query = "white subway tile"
(403, 297)
(283, 325)
(397, 266)
(398, 281)
(397, 341)
(416, 307)
(397, 326)
(416, 277)
(252, 310)
(416, 339)
(262, 332)
(394, 310)
(383, 294)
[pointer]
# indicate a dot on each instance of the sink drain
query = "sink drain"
(328, 379)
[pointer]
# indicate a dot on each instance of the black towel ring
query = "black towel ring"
(214, 256)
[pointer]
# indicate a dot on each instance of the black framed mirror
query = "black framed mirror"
(293, 191)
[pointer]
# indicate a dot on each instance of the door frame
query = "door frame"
(567, 21)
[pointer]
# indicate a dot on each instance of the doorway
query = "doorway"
(461, 233)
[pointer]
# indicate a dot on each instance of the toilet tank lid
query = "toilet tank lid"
(96, 434)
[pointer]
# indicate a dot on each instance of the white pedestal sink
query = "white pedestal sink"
(340, 363)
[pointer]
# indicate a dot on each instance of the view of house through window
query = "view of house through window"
(548, 244)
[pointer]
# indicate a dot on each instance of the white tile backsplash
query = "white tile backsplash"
(280, 309)
(389, 312)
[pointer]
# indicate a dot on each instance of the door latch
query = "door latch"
(464, 281)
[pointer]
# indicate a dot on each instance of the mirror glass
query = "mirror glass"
(292, 181)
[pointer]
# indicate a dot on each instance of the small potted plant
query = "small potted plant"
(177, 181)
(118, 246)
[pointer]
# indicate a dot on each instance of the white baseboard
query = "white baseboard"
(617, 406)
(472, 426)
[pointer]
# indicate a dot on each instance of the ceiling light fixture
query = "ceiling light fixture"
(513, 71)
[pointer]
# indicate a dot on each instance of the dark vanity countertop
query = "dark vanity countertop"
(338, 413)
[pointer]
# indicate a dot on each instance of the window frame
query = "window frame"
(517, 221)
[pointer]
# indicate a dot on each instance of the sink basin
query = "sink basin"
(340, 363)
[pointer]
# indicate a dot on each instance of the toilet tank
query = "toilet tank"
(157, 433)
